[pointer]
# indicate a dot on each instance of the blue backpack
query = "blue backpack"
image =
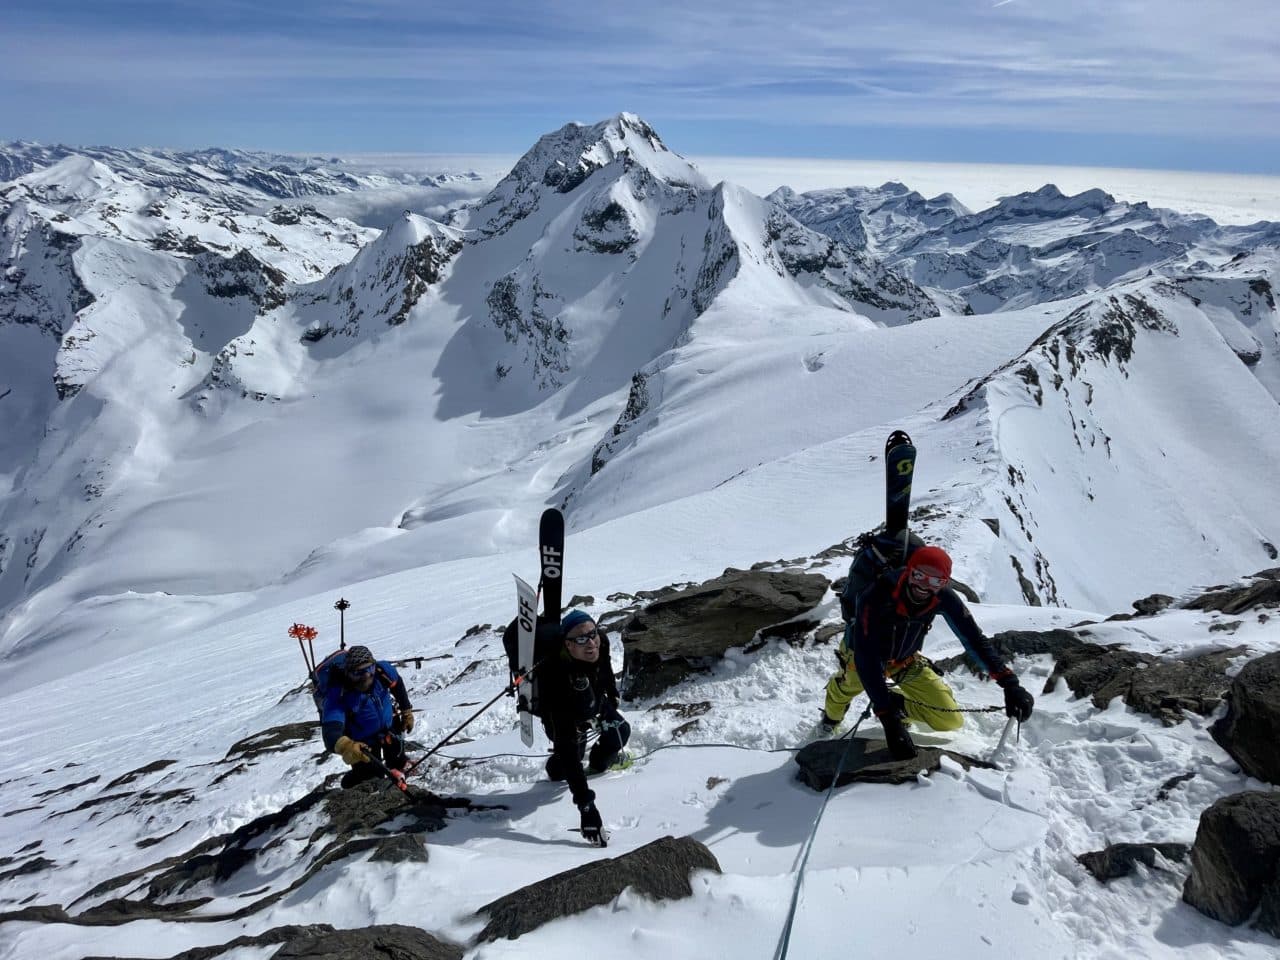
(330, 672)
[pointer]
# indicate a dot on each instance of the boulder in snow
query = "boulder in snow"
(683, 631)
(1235, 862)
(1120, 859)
(868, 761)
(1251, 728)
(660, 870)
(1263, 590)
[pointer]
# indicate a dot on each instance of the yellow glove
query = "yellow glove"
(406, 721)
(351, 751)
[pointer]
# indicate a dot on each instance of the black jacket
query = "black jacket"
(888, 631)
(572, 693)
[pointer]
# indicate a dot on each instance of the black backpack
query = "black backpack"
(877, 554)
(548, 640)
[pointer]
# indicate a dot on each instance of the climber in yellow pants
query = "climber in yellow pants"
(883, 642)
(926, 696)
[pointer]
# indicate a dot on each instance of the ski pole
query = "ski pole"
(395, 776)
(300, 631)
(506, 692)
(341, 606)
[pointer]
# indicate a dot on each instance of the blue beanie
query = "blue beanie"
(573, 618)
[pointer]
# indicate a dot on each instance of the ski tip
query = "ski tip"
(897, 439)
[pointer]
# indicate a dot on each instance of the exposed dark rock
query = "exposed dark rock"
(93, 802)
(420, 267)
(400, 849)
(1153, 604)
(140, 772)
(274, 739)
(1101, 672)
(1015, 643)
(580, 601)
(689, 629)
(828, 632)
(113, 913)
(40, 913)
(628, 425)
(867, 761)
(319, 941)
(1168, 786)
(1162, 688)
(1251, 728)
(370, 817)
(659, 870)
(1120, 859)
(1169, 688)
(393, 941)
(685, 710)
(31, 866)
(1235, 861)
(69, 787)
(793, 632)
(1264, 591)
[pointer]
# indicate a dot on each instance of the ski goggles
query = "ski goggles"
(583, 639)
(928, 578)
(359, 673)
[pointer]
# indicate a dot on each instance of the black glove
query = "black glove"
(592, 825)
(1018, 703)
(899, 741)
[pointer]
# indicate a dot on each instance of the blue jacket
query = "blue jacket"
(363, 716)
(887, 631)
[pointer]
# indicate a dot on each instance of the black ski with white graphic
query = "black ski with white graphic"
(899, 468)
(551, 556)
(526, 625)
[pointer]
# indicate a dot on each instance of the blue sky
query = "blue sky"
(1171, 84)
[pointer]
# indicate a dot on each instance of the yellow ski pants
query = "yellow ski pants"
(928, 698)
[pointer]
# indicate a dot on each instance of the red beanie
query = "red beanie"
(933, 557)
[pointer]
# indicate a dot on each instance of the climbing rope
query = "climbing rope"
(785, 942)
(993, 708)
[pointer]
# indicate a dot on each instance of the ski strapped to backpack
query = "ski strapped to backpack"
(880, 552)
(530, 639)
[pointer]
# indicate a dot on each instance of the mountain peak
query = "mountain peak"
(75, 177)
(564, 159)
(1050, 200)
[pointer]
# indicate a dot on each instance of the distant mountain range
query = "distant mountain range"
(210, 385)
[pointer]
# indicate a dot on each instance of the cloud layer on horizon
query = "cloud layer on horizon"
(394, 75)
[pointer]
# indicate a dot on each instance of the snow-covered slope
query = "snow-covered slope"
(605, 330)
(210, 738)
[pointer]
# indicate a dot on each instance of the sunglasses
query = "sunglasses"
(923, 578)
(583, 639)
(359, 673)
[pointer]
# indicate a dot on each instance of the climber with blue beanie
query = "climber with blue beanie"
(579, 697)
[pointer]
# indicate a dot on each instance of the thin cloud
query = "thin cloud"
(1185, 70)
